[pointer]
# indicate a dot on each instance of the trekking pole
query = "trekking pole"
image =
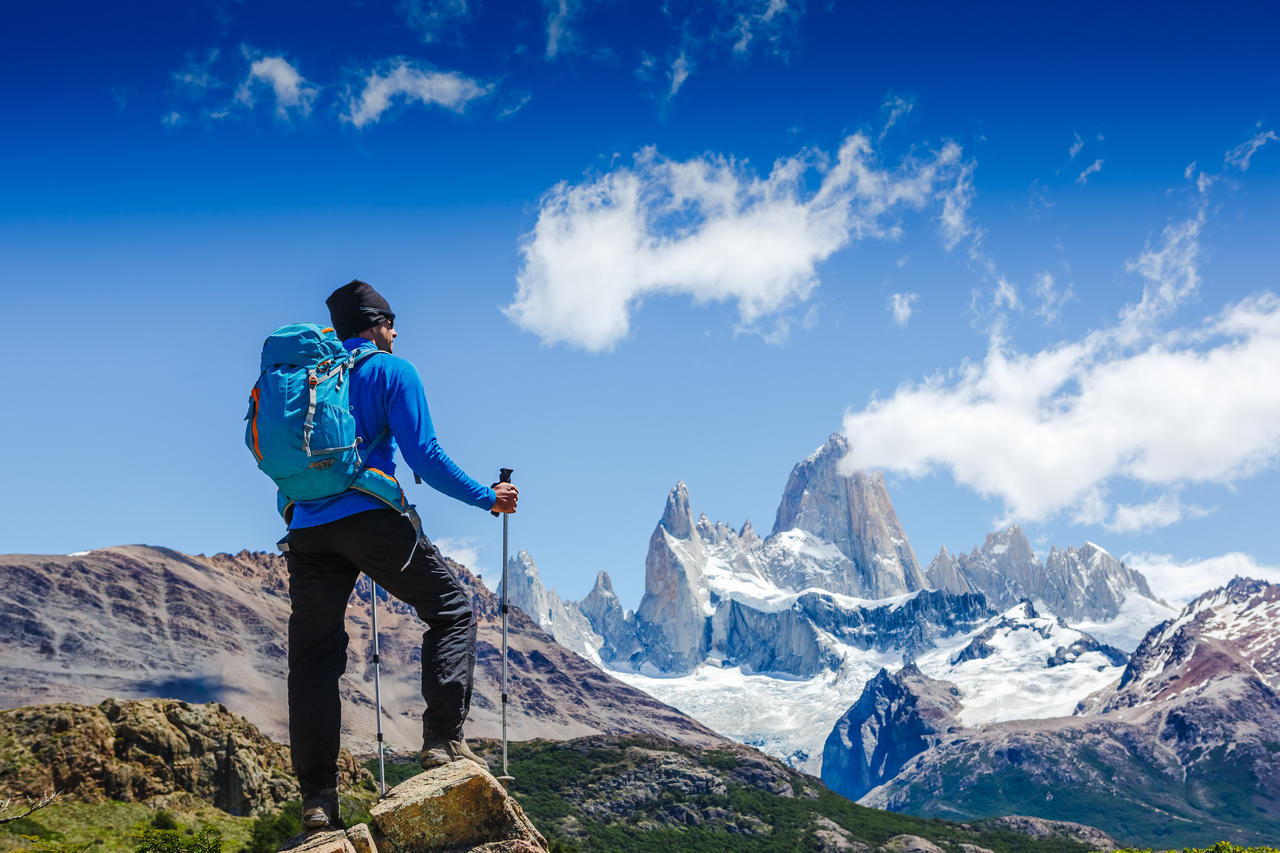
(377, 685)
(506, 778)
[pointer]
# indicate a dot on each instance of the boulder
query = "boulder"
(319, 842)
(361, 838)
(910, 844)
(455, 807)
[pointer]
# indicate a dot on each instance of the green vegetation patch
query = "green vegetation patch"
(110, 827)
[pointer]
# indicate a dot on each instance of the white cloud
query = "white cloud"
(464, 549)
(1242, 154)
(171, 119)
(1076, 146)
(1180, 581)
(288, 86)
(1050, 298)
(1162, 512)
(901, 306)
(409, 83)
(709, 229)
(1047, 432)
(430, 17)
(1091, 170)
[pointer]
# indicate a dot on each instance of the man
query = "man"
(332, 540)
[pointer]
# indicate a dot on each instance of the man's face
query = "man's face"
(383, 334)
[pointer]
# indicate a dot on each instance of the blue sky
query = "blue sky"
(1025, 257)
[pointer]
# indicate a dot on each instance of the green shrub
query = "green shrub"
(272, 830)
(164, 819)
(151, 840)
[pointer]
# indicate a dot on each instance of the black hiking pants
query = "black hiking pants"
(324, 563)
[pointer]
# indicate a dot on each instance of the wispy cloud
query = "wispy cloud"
(1077, 146)
(901, 306)
(894, 109)
(1182, 580)
(755, 21)
(1093, 169)
(709, 229)
(290, 90)
(734, 29)
(1048, 431)
(405, 82)
(1049, 297)
(196, 79)
(430, 18)
(560, 19)
(1242, 154)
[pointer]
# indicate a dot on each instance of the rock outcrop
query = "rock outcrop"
(141, 750)
(457, 808)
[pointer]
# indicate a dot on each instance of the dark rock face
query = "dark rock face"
(897, 717)
(139, 750)
(853, 513)
(1182, 750)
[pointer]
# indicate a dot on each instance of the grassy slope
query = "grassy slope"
(106, 827)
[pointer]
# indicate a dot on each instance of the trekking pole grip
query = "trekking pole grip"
(504, 476)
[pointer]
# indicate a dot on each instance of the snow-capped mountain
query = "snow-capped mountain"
(769, 640)
(1019, 665)
(1179, 751)
(1083, 583)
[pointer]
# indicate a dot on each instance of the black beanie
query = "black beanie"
(356, 306)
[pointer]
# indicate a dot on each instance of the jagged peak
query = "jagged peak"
(603, 584)
(1011, 539)
(748, 531)
(677, 517)
(835, 443)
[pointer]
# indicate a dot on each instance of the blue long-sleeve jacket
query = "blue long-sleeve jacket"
(387, 391)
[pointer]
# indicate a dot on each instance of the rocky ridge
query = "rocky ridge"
(1082, 583)
(138, 622)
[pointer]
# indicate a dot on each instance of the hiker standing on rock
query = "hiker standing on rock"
(333, 539)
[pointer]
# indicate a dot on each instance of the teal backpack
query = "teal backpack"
(300, 429)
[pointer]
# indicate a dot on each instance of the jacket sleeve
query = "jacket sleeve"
(410, 423)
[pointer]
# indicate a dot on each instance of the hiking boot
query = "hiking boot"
(320, 811)
(437, 753)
